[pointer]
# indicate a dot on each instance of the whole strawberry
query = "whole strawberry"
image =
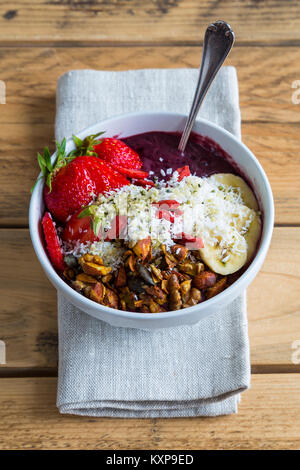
(73, 181)
(117, 153)
(72, 187)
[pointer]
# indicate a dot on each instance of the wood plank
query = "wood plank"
(164, 21)
(28, 313)
(268, 418)
(30, 75)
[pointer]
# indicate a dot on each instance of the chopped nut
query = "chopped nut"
(170, 260)
(127, 253)
(98, 292)
(181, 277)
(142, 248)
(87, 291)
(199, 268)
(87, 257)
(185, 288)
(98, 260)
(144, 309)
(128, 297)
(155, 308)
(164, 286)
(131, 263)
(121, 279)
(106, 279)
(86, 278)
(197, 255)
(149, 256)
(78, 285)
(204, 280)
(174, 297)
(95, 269)
(158, 294)
(180, 252)
(217, 288)
(194, 299)
(167, 274)
(156, 273)
(111, 299)
(188, 268)
(69, 274)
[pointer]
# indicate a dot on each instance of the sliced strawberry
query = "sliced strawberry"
(185, 239)
(52, 242)
(105, 177)
(79, 229)
(117, 229)
(143, 183)
(183, 172)
(117, 153)
(164, 214)
(131, 173)
(170, 204)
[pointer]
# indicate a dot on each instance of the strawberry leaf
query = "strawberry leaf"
(96, 225)
(95, 220)
(34, 185)
(42, 163)
(78, 142)
(83, 147)
(85, 212)
(86, 146)
(47, 159)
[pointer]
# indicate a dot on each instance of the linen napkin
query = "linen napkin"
(196, 370)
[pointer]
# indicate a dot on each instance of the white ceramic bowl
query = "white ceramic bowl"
(137, 123)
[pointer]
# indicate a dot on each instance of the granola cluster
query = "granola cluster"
(146, 282)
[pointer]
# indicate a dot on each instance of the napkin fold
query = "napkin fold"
(196, 370)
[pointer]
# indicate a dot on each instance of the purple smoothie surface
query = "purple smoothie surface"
(159, 150)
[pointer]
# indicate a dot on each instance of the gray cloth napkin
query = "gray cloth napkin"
(196, 370)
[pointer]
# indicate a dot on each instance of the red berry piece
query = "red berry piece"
(52, 242)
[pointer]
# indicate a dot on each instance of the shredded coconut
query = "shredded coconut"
(211, 211)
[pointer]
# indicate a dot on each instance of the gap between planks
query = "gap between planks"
(24, 372)
(95, 44)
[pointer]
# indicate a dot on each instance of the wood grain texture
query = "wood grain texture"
(151, 21)
(30, 420)
(27, 118)
(28, 319)
(265, 76)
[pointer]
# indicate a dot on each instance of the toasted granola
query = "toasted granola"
(146, 283)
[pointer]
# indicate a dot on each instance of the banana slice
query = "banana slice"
(224, 257)
(233, 181)
(248, 224)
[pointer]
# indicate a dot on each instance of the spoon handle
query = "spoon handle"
(218, 41)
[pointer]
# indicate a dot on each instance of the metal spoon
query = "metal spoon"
(218, 41)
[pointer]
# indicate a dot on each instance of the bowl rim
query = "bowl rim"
(91, 305)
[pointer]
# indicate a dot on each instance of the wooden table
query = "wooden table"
(41, 40)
